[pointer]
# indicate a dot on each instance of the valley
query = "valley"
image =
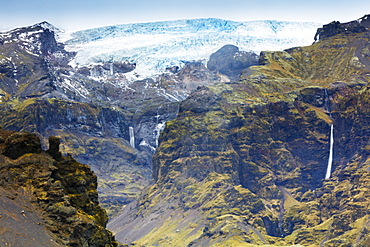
(200, 132)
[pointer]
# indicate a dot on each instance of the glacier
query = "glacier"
(159, 45)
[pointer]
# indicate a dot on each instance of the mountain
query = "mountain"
(247, 149)
(279, 157)
(103, 118)
(47, 199)
(153, 47)
(41, 93)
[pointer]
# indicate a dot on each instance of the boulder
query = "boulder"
(230, 61)
(19, 144)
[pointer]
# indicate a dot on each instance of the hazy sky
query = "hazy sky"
(82, 14)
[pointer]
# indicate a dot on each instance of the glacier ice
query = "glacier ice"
(159, 45)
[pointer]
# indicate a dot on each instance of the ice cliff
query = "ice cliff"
(159, 45)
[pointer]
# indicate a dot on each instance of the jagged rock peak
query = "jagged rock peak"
(38, 39)
(365, 20)
(42, 26)
(335, 27)
(46, 26)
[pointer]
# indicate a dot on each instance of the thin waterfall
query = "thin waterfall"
(111, 69)
(327, 107)
(330, 161)
(132, 136)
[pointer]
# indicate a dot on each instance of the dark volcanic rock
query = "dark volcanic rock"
(106, 69)
(48, 202)
(225, 65)
(27, 55)
(19, 144)
(230, 61)
(195, 74)
(335, 27)
(41, 34)
(54, 143)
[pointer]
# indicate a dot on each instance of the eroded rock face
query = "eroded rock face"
(335, 27)
(230, 61)
(90, 109)
(106, 69)
(245, 162)
(19, 144)
(55, 200)
(224, 65)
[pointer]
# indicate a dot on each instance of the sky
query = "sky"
(73, 15)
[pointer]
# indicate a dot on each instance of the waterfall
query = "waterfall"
(327, 105)
(330, 161)
(132, 136)
(157, 131)
(111, 69)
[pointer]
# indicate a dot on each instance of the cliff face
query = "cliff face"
(47, 199)
(93, 108)
(335, 27)
(245, 162)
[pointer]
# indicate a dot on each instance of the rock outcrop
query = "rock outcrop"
(244, 162)
(47, 199)
(335, 27)
(231, 62)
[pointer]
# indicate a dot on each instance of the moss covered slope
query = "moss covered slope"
(47, 199)
(244, 163)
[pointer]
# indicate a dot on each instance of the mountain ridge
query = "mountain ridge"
(244, 162)
(242, 159)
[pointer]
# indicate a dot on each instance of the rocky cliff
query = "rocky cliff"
(92, 108)
(245, 162)
(47, 199)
